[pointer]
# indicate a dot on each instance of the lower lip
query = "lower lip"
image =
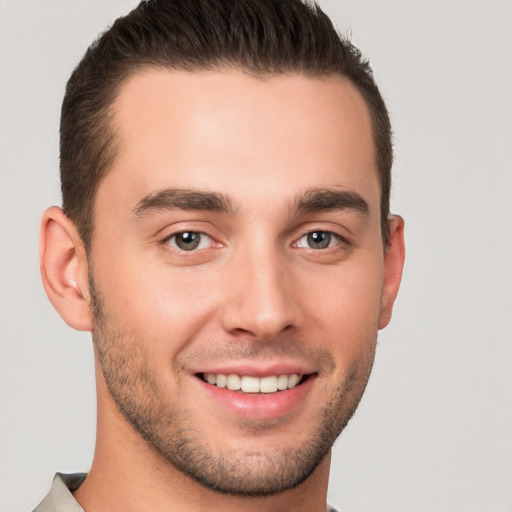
(259, 405)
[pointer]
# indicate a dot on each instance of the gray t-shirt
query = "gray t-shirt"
(60, 499)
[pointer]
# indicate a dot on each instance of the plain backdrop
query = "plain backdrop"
(434, 430)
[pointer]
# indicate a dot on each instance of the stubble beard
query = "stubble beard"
(167, 428)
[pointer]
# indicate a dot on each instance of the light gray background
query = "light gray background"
(434, 431)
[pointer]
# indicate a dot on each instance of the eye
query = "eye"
(190, 241)
(319, 240)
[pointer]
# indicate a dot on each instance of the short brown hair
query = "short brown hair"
(257, 36)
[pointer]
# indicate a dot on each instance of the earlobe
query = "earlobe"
(64, 271)
(393, 266)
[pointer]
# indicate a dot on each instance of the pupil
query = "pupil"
(319, 239)
(188, 240)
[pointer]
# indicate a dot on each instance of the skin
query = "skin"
(255, 297)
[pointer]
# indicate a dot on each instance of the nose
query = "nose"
(259, 299)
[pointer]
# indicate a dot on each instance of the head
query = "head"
(226, 235)
(258, 37)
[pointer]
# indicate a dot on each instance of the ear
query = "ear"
(393, 265)
(64, 269)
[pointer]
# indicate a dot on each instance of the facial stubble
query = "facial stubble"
(169, 431)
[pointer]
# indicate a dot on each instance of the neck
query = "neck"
(128, 475)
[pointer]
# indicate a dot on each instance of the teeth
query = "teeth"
(222, 380)
(232, 382)
(282, 382)
(293, 380)
(249, 384)
(268, 385)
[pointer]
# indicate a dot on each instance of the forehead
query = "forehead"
(239, 134)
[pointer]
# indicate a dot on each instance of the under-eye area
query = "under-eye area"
(250, 384)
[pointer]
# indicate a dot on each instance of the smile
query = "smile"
(250, 384)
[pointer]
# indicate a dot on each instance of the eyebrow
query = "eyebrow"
(317, 200)
(313, 200)
(183, 199)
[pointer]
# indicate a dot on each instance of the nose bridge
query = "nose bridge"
(258, 298)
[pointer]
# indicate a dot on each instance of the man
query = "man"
(225, 235)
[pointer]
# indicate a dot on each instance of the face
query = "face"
(237, 271)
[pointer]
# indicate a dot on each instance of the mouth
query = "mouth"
(247, 384)
(256, 394)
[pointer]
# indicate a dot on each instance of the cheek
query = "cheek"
(346, 308)
(163, 306)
